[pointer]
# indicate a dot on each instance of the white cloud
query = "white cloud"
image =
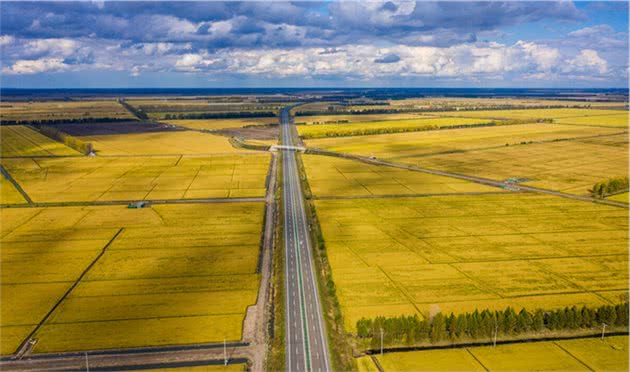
(587, 61)
(54, 47)
(6, 40)
(592, 31)
(26, 67)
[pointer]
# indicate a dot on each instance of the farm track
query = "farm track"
(480, 180)
(17, 186)
(127, 202)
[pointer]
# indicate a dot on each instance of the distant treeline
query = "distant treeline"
(409, 330)
(136, 112)
(220, 115)
(431, 109)
(610, 186)
(63, 121)
(68, 140)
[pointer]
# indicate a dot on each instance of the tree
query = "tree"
(523, 321)
(438, 330)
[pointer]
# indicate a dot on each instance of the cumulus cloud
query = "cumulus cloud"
(26, 67)
(587, 61)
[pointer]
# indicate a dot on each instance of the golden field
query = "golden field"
(339, 119)
(379, 127)
(558, 157)
(556, 113)
(617, 120)
(63, 110)
(610, 354)
(160, 143)
(140, 178)
(196, 293)
(8, 193)
(19, 140)
(395, 256)
(332, 177)
(214, 124)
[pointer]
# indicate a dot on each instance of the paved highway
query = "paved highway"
(306, 344)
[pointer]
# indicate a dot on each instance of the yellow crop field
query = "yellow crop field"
(533, 113)
(513, 151)
(610, 354)
(623, 197)
(379, 127)
(62, 110)
(140, 178)
(207, 368)
(458, 253)
(340, 119)
(19, 140)
(617, 120)
(196, 293)
(160, 143)
(214, 124)
(9, 194)
(330, 176)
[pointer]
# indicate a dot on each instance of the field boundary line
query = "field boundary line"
(476, 179)
(402, 290)
(65, 295)
(377, 364)
(254, 199)
(17, 186)
(490, 342)
(386, 196)
(573, 356)
(477, 359)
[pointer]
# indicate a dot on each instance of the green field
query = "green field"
(19, 140)
(196, 293)
(610, 354)
(460, 253)
(140, 178)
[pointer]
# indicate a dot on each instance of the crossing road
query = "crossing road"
(306, 344)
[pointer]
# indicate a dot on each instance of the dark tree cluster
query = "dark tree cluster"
(483, 325)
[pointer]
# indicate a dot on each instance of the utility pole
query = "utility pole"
(381, 341)
(496, 330)
(603, 330)
(87, 362)
(225, 358)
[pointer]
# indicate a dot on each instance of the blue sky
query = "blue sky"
(314, 44)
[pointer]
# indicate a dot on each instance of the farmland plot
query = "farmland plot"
(214, 124)
(137, 178)
(330, 176)
(8, 193)
(62, 110)
(557, 113)
(460, 253)
(609, 354)
(19, 140)
(198, 292)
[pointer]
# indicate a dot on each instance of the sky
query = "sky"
(104, 44)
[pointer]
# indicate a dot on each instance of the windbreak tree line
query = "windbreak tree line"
(221, 115)
(484, 325)
(610, 186)
(68, 140)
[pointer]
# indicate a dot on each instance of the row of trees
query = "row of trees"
(402, 109)
(486, 324)
(610, 186)
(70, 141)
(220, 115)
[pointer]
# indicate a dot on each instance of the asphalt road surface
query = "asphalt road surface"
(306, 344)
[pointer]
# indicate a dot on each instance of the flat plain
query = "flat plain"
(214, 124)
(458, 253)
(541, 153)
(196, 293)
(140, 178)
(19, 140)
(63, 110)
(610, 354)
